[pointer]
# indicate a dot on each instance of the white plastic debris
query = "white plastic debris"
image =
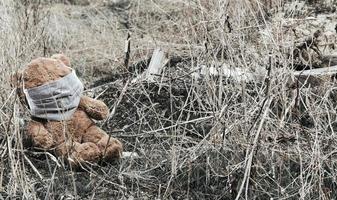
(153, 72)
(128, 154)
(156, 65)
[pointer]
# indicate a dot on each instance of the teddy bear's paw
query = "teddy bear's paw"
(110, 148)
(96, 109)
(85, 152)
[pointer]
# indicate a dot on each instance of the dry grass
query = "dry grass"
(208, 139)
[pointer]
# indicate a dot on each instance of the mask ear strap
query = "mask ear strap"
(25, 92)
(23, 80)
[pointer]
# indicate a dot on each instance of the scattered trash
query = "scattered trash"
(234, 73)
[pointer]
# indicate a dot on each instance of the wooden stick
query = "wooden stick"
(317, 72)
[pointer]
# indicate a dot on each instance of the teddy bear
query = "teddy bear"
(62, 119)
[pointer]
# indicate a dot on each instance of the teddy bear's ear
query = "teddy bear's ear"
(63, 58)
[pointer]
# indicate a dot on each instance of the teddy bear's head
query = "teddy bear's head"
(40, 71)
(43, 84)
(44, 70)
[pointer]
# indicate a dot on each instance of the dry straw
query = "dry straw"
(206, 138)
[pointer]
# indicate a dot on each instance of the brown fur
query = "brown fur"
(77, 139)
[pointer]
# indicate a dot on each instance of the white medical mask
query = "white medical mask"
(57, 100)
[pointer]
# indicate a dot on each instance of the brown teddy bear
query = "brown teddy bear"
(61, 117)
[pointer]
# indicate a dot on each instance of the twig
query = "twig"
(106, 146)
(267, 81)
(127, 51)
(248, 165)
(118, 101)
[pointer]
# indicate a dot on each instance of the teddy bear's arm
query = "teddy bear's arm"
(40, 135)
(94, 108)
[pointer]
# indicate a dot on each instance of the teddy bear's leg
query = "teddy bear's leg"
(40, 135)
(110, 148)
(78, 153)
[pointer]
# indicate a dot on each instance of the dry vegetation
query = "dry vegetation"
(211, 138)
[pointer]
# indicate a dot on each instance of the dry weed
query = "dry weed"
(207, 139)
